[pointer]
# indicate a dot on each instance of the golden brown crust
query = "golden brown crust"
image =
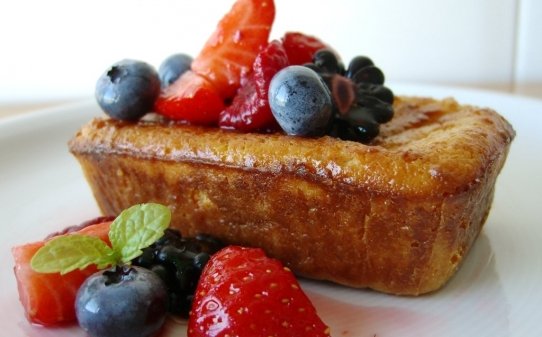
(396, 216)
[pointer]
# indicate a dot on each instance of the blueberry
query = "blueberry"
(200, 260)
(178, 261)
(128, 89)
(300, 101)
(125, 301)
(357, 64)
(362, 128)
(379, 91)
(369, 74)
(364, 124)
(173, 67)
(382, 112)
(326, 60)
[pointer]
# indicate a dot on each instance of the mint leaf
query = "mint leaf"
(137, 228)
(133, 230)
(69, 252)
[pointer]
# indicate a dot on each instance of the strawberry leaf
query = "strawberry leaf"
(137, 228)
(69, 252)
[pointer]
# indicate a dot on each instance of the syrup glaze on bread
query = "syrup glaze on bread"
(398, 215)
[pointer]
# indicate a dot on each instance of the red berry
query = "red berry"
(49, 299)
(250, 110)
(191, 98)
(300, 47)
(230, 51)
(244, 293)
(198, 96)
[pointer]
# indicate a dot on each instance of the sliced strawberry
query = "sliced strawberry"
(244, 293)
(231, 50)
(198, 96)
(48, 299)
(250, 109)
(300, 47)
(191, 98)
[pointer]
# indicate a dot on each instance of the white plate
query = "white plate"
(495, 293)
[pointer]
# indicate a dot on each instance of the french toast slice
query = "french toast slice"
(398, 215)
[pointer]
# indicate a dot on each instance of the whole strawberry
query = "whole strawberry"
(244, 293)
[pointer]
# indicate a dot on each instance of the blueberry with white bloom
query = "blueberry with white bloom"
(300, 101)
(128, 89)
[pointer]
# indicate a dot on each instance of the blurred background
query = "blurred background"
(53, 51)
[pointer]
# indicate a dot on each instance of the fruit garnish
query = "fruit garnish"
(244, 293)
(173, 67)
(230, 51)
(250, 109)
(137, 237)
(123, 301)
(133, 230)
(127, 90)
(48, 299)
(191, 98)
(361, 100)
(228, 83)
(198, 96)
(179, 262)
(120, 300)
(300, 47)
(300, 101)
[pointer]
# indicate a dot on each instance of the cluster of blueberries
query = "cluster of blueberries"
(179, 261)
(323, 97)
(133, 299)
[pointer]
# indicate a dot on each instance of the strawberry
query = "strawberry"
(191, 98)
(300, 47)
(48, 299)
(250, 109)
(244, 293)
(227, 56)
(230, 52)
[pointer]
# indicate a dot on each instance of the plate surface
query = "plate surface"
(495, 293)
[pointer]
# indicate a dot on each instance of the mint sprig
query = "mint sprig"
(137, 228)
(133, 230)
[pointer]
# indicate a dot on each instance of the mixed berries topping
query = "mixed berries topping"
(360, 100)
(228, 84)
(200, 94)
(134, 270)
